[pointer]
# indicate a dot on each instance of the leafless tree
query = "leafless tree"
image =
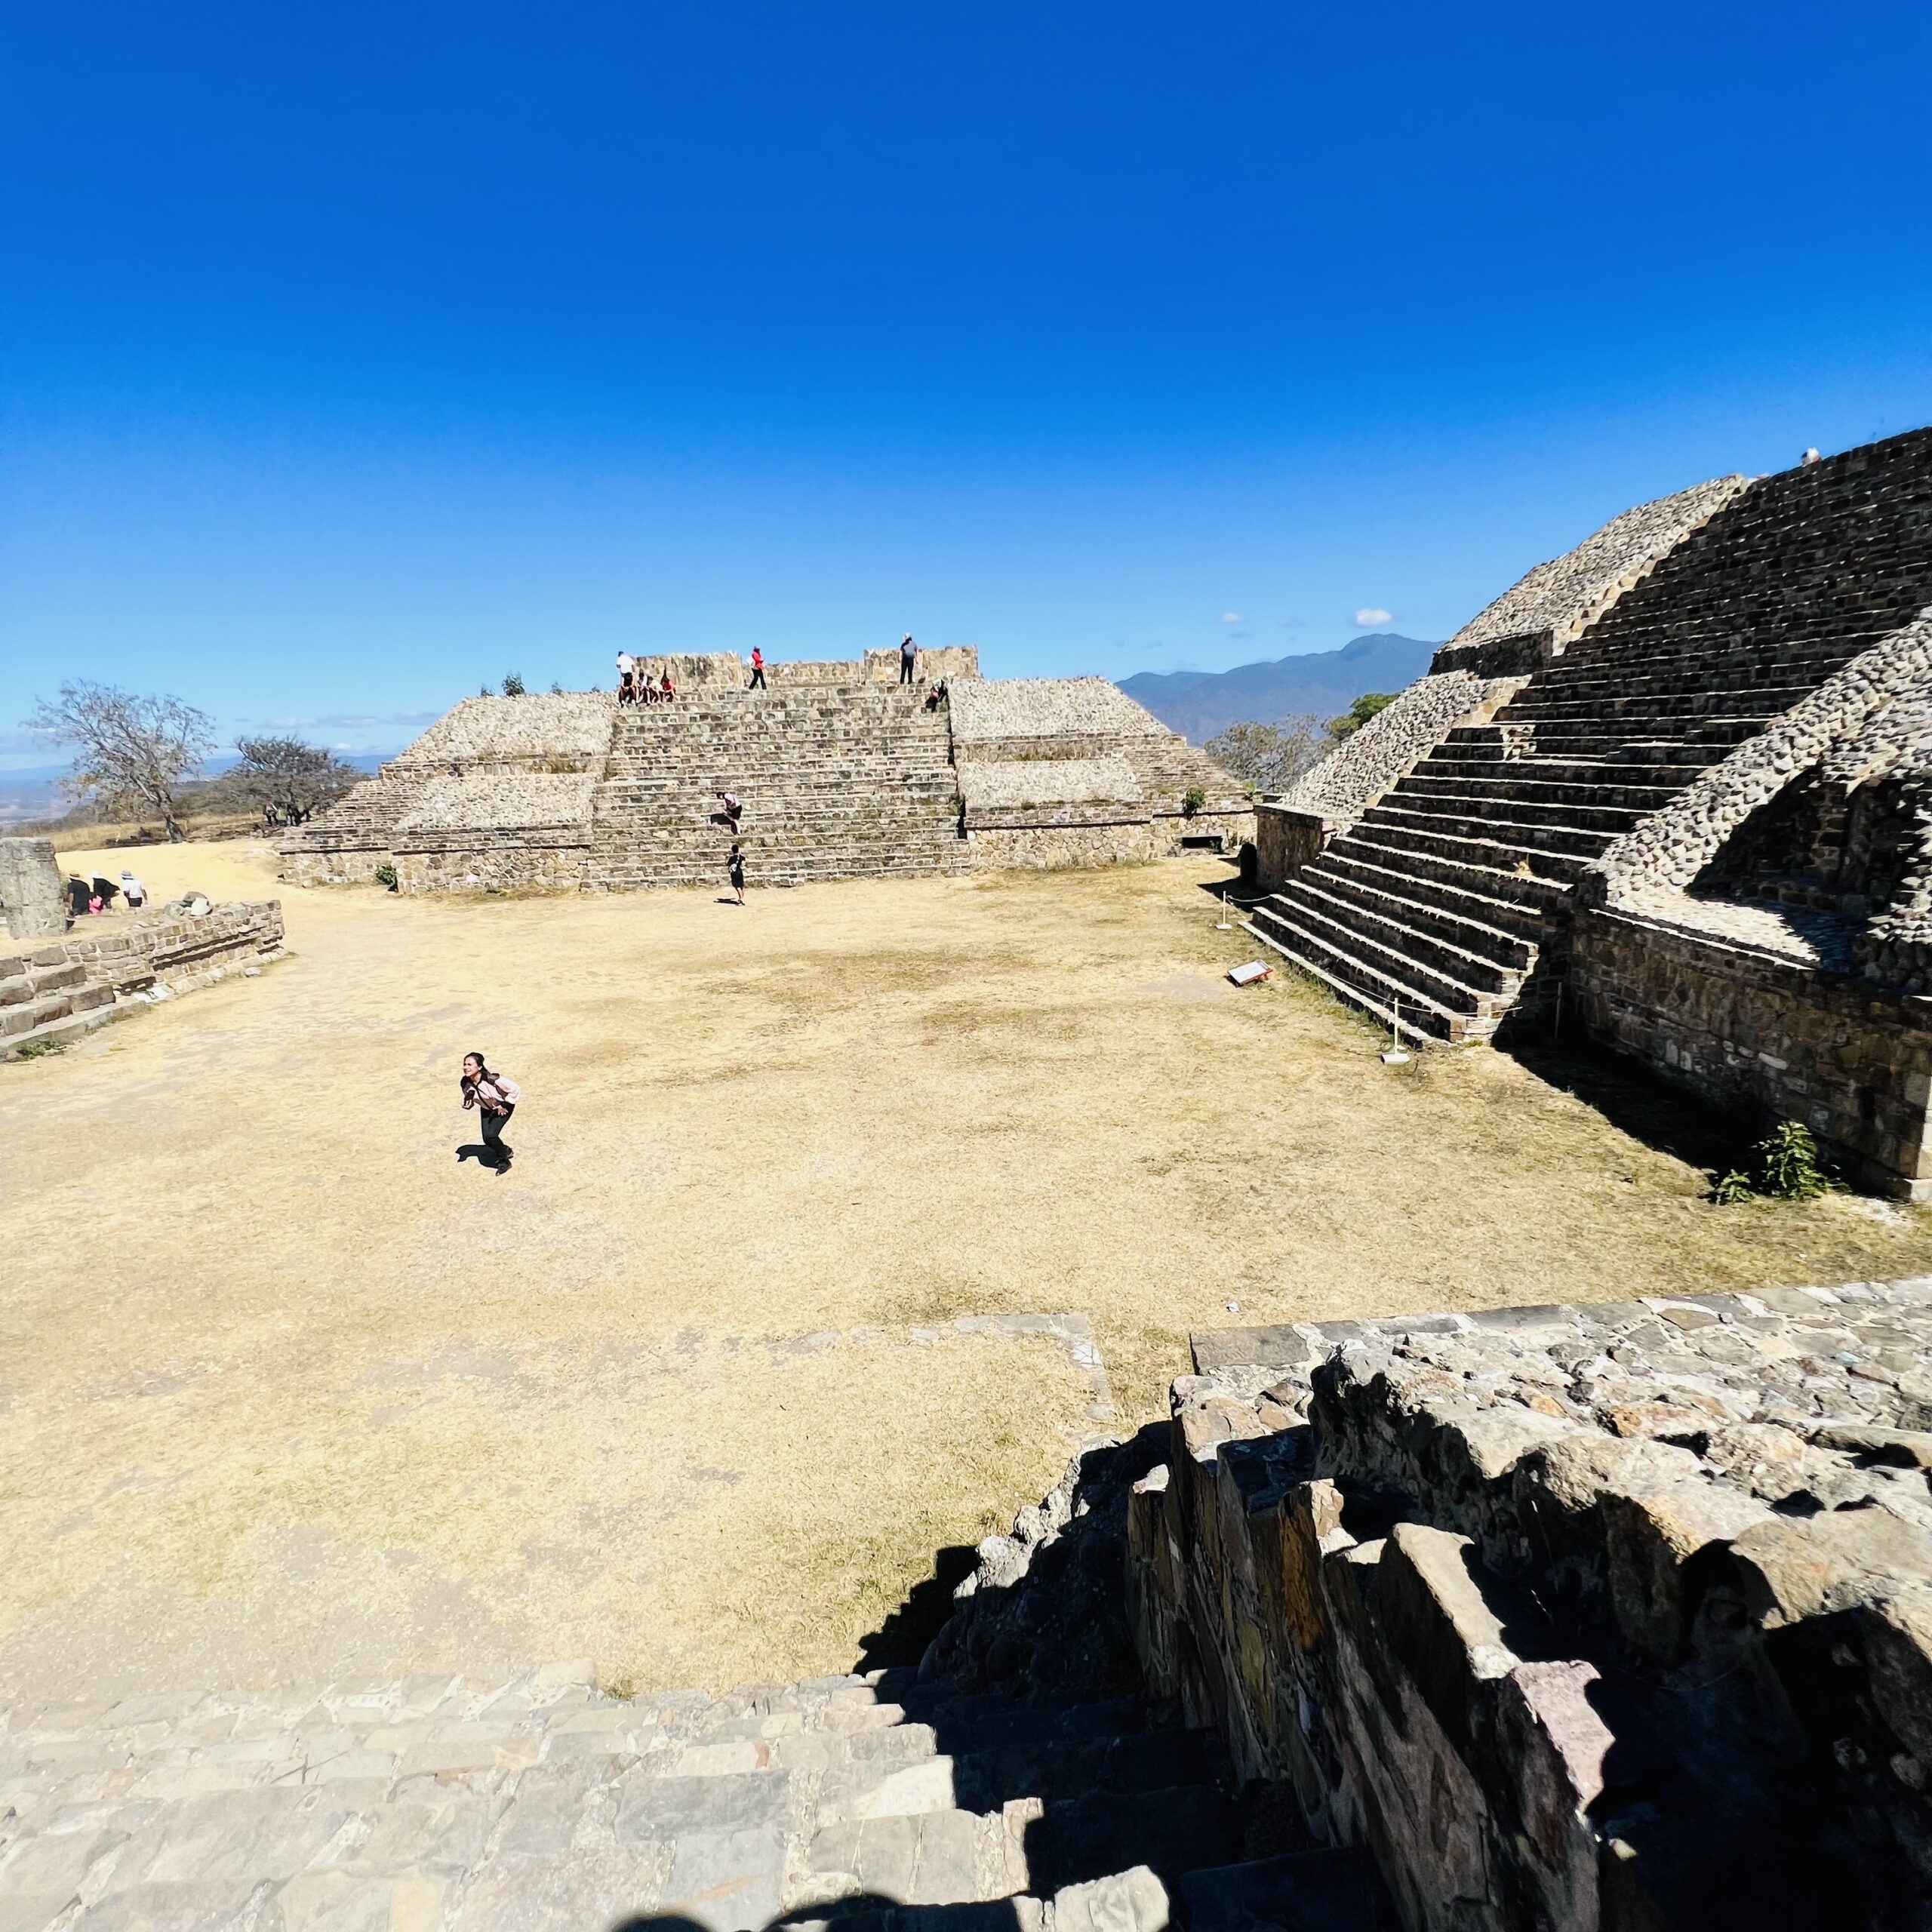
(132, 753)
(291, 779)
(1269, 757)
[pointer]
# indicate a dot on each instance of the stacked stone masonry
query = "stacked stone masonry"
(840, 773)
(893, 1801)
(1610, 1616)
(30, 889)
(1703, 813)
(54, 992)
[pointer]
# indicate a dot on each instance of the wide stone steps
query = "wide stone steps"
(1394, 971)
(1459, 925)
(1522, 782)
(544, 1803)
(1447, 831)
(1393, 998)
(1519, 902)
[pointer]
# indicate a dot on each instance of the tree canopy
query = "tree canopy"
(1269, 757)
(133, 753)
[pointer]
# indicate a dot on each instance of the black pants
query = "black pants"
(498, 1155)
(905, 670)
(758, 683)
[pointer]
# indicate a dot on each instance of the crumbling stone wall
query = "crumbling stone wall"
(30, 893)
(1602, 1616)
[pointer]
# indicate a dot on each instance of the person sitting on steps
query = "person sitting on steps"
(627, 687)
(667, 690)
(937, 695)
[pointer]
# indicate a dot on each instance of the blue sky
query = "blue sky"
(351, 355)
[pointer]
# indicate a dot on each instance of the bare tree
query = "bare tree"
(1269, 757)
(131, 753)
(292, 780)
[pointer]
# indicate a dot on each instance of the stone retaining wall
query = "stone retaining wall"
(68, 985)
(1742, 1029)
(1614, 1617)
(1286, 838)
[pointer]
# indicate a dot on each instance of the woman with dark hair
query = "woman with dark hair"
(494, 1096)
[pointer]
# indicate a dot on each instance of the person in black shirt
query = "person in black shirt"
(736, 866)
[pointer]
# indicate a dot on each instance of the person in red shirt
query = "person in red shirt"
(758, 683)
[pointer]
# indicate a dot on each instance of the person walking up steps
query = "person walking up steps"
(735, 865)
(758, 683)
(494, 1096)
(734, 810)
(908, 651)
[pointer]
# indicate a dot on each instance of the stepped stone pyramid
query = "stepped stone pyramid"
(1629, 782)
(842, 772)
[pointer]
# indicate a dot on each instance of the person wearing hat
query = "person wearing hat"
(908, 650)
(132, 890)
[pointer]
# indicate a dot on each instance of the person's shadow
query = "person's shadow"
(478, 1151)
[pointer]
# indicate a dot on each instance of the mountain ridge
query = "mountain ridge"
(1199, 704)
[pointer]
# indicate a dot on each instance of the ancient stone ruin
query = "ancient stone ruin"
(842, 772)
(52, 993)
(30, 894)
(1671, 789)
(1604, 1617)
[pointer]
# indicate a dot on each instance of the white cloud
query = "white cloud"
(1369, 615)
(1232, 617)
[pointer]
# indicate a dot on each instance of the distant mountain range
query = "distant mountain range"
(1198, 703)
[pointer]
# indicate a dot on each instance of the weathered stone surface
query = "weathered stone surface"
(1598, 1615)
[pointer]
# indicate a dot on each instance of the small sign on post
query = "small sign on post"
(1251, 974)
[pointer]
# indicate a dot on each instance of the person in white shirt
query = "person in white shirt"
(626, 678)
(132, 891)
(494, 1096)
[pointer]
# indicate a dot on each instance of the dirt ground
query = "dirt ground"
(289, 1389)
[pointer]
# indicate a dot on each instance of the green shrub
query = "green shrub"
(1787, 1163)
(512, 685)
(385, 875)
(1192, 800)
(1784, 1167)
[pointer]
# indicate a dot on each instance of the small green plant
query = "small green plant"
(556, 688)
(1192, 800)
(484, 691)
(1787, 1163)
(40, 1049)
(512, 684)
(1784, 1167)
(385, 876)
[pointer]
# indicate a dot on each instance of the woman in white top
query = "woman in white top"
(494, 1096)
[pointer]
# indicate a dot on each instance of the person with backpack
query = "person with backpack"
(495, 1096)
(758, 683)
(735, 866)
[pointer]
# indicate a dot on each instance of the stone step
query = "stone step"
(1397, 821)
(1385, 986)
(1513, 901)
(1518, 783)
(1490, 929)
(1452, 978)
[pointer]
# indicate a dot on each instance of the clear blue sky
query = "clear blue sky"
(351, 355)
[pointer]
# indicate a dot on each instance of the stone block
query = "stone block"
(1437, 1621)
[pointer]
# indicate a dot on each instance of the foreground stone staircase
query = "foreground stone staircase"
(838, 781)
(543, 1802)
(1446, 906)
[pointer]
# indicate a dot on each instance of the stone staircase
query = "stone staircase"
(838, 781)
(543, 1802)
(1446, 907)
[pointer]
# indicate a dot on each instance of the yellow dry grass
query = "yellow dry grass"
(293, 1392)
